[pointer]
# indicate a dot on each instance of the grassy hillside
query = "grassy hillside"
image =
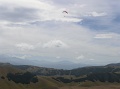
(42, 84)
(59, 72)
(74, 72)
(49, 83)
(49, 78)
(6, 69)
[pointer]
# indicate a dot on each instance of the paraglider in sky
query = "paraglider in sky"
(65, 12)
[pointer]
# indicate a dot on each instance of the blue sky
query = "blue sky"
(88, 34)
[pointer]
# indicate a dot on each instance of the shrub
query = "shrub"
(2, 77)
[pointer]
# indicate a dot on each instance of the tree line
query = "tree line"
(24, 78)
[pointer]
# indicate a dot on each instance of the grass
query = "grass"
(90, 84)
(42, 84)
(49, 83)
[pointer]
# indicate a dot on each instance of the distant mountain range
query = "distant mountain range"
(41, 62)
(114, 65)
(76, 72)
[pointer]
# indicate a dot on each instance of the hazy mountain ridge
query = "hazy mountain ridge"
(40, 62)
(52, 72)
(113, 65)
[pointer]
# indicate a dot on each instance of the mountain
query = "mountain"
(41, 62)
(31, 77)
(66, 65)
(53, 72)
(113, 65)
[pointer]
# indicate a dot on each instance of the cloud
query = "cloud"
(96, 14)
(55, 44)
(80, 57)
(24, 46)
(92, 59)
(58, 57)
(18, 14)
(29, 27)
(32, 10)
(104, 36)
(21, 57)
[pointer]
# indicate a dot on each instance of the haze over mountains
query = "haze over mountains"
(48, 64)
(41, 63)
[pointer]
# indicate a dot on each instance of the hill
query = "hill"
(31, 77)
(59, 72)
(113, 65)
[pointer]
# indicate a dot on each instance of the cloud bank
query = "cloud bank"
(89, 33)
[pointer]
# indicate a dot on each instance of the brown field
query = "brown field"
(93, 87)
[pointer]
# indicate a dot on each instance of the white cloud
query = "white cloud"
(29, 4)
(92, 59)
(80, 57)
(24, 46)
(68, 19)
(96, 14)
(104, 36)
(55, 44)
(44, 11)
(58, 57)
(22, 57)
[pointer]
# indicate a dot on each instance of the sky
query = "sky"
(40, 30)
